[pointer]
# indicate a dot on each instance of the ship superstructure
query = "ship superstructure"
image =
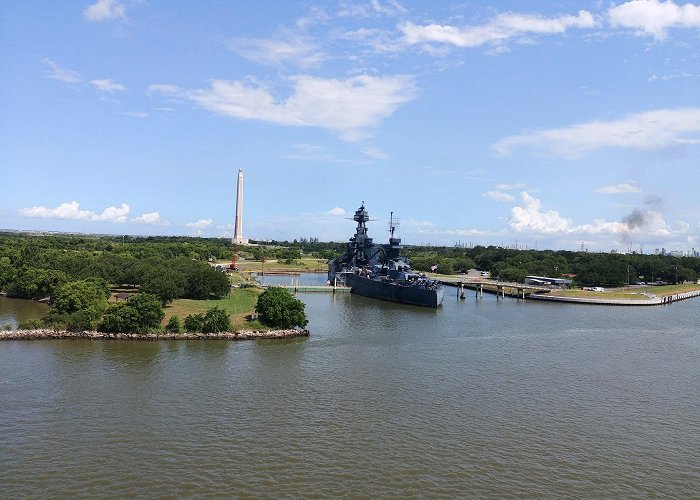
(380, 271)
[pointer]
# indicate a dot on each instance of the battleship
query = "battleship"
(380, 271)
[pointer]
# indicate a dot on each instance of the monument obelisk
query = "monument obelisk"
(238, 238)
(238, 228)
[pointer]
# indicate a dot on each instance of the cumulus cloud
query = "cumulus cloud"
(337, 211)
(348, 107)
(297, 50)
(104, 10)
(648, 130)
(61, 74)
(531, 218)
(107, 85)
(200, 224)
(618, 188)
(655, 18)
(498, 30)
(151, 218)
(499, 196)
(72, 211)
(640, 223)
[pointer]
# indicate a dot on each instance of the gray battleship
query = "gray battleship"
(380, 271)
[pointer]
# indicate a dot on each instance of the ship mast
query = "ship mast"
(360, 241)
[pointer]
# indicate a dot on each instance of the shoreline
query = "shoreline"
(649, 301)
(47, 334)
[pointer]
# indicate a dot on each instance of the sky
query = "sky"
(536, 124)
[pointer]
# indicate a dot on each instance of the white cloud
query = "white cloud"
(337, 211)
(151, 218)
(373, 8)
(103, 10)
(418, 226)
(645, 131)
(163, 88)
(651, 17)
(298, 50)
(136, 114)
(618, 188)
(531, 219)
(72, 211)
(347, 107)
(107, 85)
(639, 224)
(200, 224)
(61, 74)
(510, 186)
(498, 196)
(375, 153)
(672, 76)
(497, 31)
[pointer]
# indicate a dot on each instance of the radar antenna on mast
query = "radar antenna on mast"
(393, 223)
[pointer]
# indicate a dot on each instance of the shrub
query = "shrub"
(30, 324)
(279, 309)
(194, 323)
(173, 325)
(216, 320)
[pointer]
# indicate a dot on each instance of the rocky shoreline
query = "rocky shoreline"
(44, 334)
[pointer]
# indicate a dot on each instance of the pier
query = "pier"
(499, 288)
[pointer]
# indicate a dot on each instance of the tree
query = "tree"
(149, 308)
(79, 295)
(120, 318)
(194, 323)
(166, 285)
(32, 283)
(203, 282)
(216, 320)
(140, 313)
(7, 272)
(173, 325)
(84, 319)
(279, 309)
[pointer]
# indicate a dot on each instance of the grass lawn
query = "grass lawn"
(632, 293)
(586, 294)
(239, 304)
(666, 290)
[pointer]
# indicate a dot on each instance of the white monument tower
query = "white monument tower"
(238, 238)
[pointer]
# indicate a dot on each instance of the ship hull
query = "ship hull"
(394, 292)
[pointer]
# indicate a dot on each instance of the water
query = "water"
(14, 311)
(478, 398)
(302, 279)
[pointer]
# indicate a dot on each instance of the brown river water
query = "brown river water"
(480, 398)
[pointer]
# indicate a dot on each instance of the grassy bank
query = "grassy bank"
(240, 303)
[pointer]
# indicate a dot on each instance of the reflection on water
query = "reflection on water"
(478, 398)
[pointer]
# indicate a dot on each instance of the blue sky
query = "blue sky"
(541, 124)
